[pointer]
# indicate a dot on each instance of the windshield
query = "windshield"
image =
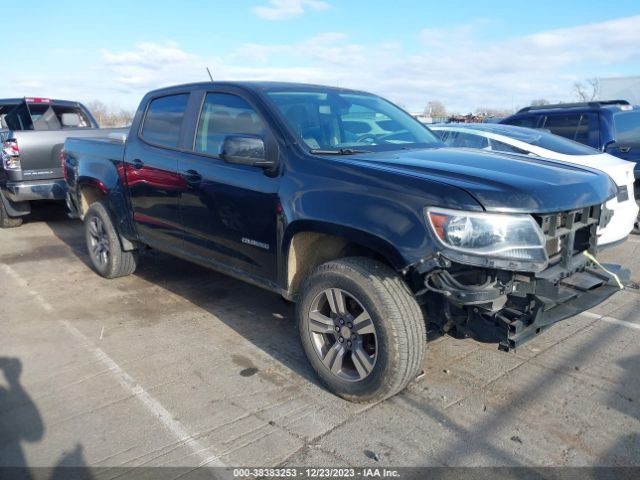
(335, 121)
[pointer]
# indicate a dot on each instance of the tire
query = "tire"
(383, 320)
(7, 221)
(103, 244)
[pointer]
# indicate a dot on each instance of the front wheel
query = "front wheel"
(106, 253)
(361, 328)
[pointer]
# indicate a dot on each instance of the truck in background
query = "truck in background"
(33, 131)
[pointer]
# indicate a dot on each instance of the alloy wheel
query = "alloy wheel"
(98, 241)
(343, 334)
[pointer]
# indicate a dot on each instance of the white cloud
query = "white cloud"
(540, 65)
(329, 47)
(285, 9)
(455, 66)
(148, 64)
(146, 55)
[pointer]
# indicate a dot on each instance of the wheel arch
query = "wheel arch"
(307, 244)
(90, 190)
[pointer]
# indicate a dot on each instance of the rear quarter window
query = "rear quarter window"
(498, 146)
(467, 140)
(163, 120)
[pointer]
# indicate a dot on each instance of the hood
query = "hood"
(499, 182)
(621, 171)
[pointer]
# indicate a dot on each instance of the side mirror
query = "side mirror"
(245, 150)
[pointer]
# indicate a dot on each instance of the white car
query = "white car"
(538, 143)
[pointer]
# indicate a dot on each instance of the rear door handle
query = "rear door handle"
(192, 176)
(137, 163)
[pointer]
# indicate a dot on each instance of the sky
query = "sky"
(466, 54)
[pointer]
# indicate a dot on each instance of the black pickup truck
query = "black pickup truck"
(342, 202)
(32, 132)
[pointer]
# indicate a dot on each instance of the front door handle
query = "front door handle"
(192, 176)
(624, 149)
(137, 163)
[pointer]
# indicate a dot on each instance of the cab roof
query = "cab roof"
(258, 85)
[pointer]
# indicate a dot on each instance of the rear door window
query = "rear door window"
(571, 126)
(163, 121)
(627, 126)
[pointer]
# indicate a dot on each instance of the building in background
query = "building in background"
(620, 88)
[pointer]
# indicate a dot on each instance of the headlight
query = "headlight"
(490, 239)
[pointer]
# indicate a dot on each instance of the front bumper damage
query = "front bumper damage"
(511, 307)
(591, 289)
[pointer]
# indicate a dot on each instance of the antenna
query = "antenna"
(209, 72)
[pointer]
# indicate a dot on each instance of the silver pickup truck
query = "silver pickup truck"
(33, 131)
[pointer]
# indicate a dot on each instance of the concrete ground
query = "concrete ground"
(180, 366)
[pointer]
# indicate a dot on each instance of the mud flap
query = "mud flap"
(15, 209)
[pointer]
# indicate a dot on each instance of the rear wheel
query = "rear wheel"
(7, 221)
(106, 253)
(361, 328)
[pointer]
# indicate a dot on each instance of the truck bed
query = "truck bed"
(40, 150)
(94, 153)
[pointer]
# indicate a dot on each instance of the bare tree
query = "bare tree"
(109, 117)
(588, 91)
(538, 102)
(98, 110)
(435, 108)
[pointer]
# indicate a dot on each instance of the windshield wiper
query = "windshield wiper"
(339, 151)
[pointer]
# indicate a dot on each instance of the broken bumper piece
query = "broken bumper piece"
(511, 311)
(577, 293)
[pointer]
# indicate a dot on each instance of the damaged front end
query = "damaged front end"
(504, 303)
